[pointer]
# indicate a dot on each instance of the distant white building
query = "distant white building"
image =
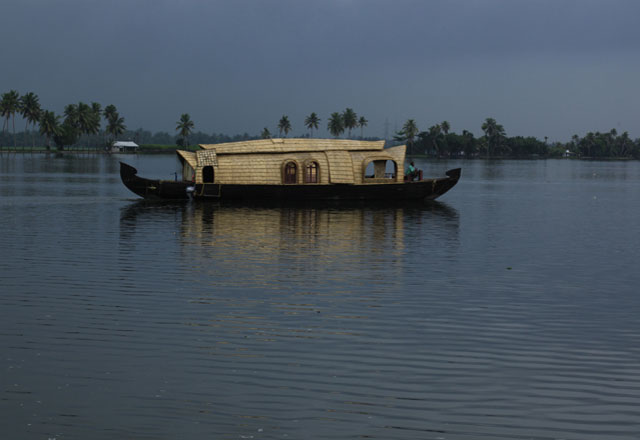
(124, 147)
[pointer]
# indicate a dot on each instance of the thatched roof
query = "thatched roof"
(189, 157)
(293, 145)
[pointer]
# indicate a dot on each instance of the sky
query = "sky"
(550, 68)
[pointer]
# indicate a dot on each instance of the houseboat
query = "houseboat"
(292, 169)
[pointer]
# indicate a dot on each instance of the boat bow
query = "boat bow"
(151, 188)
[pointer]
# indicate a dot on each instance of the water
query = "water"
(509, 310)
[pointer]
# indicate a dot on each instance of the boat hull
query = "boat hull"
(428, 189)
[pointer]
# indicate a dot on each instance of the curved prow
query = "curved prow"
(443, 185)
(127, 171)
(129, 177)
(454, 173)
(152, 188)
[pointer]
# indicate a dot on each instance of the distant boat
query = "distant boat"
(292, 169)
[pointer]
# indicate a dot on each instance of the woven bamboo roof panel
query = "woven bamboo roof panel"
(340, 167)
(292, 145)
(207, 158)
(396, 153)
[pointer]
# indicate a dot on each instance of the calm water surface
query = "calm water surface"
(508, 310)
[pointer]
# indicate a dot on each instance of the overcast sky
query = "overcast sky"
(542, 68)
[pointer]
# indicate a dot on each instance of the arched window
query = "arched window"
(311, 173)
(207, 174)
(290, 173)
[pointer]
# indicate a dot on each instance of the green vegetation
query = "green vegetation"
(184, 127)
(350, 120)
(49, 125)
(438, 141)
(31, 112)
(115, 123)
(80, 128)
(284, 125)
(408, 134)
(312, 122)
(9, 106)
(494, 135)
(335, 124)
(362, 122)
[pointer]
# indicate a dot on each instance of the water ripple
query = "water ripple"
(123, 319)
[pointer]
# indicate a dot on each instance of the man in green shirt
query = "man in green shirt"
(411, 173)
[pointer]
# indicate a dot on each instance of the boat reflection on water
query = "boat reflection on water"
(267, 242)
(272, 222)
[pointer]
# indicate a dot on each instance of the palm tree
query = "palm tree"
(71, 114)
(184, 126)
(284, 125)
(623, 144)
(444, 126)
(71, 118)
(585, 145)
(31, 111)
(116, 126)
(408, 134)
(96, 108)
(266, 134)
(109, 111)
(494, 133)
(49, 125)
(468, 143)
(350, 120)
(4, 112)
(311, 122)
(435, 133)
(575, 139)
(335, 124)
(94, 124)
(84, 116)
(10, 106)
(362, 122)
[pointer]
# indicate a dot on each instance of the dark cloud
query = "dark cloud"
(541, 67)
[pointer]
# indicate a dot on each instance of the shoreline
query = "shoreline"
(169, 150)
(142, 150)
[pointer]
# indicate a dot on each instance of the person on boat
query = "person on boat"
(411, 173)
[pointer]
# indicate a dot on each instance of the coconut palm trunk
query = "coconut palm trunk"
(13, 121)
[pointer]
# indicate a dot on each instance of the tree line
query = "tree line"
(82, 122)
(337, 124)
(439, 141)
(78, 120)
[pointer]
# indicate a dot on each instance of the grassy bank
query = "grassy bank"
(158, 149)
